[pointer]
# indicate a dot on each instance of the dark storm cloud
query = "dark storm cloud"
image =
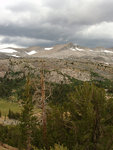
(47, 22)
(51, 33)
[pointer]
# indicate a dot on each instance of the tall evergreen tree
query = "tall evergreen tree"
(87, 111)
(27, 116)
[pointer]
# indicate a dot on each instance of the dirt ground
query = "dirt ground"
(6, 147)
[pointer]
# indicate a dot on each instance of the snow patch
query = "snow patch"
(15, 56)
(107, 63)
(49, 48)
(76, 49)
(107, 51)
(7, 50)
(31, 52)
(73, 49)
(79, 49)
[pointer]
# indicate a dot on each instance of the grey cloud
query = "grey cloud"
(30, 32)
(69, 12)
(23, 41)
(81, 12)
(22, 7)
(107, 43)
(56, 22)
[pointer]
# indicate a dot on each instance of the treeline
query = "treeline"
(7, 85)
(77, 118)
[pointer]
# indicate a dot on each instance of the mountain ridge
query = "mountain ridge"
(62, 51)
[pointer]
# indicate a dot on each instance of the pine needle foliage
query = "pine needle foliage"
(27, 120)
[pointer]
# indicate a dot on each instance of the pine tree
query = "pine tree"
(27, 118)
(44, 120)
(86, 111)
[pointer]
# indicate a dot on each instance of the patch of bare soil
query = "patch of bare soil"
(6, 147)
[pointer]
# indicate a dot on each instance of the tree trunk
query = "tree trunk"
(44, 121)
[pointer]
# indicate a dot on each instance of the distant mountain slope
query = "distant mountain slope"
(63, 51)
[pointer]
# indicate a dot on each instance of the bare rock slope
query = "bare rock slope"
(63, 51)
(61, 62)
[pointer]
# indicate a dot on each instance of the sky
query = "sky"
(25, 23)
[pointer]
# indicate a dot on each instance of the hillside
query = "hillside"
(78, 86)
(56, 69)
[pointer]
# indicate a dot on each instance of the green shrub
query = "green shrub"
(13, 115)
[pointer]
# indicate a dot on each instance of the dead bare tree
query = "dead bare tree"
(44, 120)
(40, 97)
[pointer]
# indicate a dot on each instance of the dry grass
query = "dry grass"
(6, 105)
